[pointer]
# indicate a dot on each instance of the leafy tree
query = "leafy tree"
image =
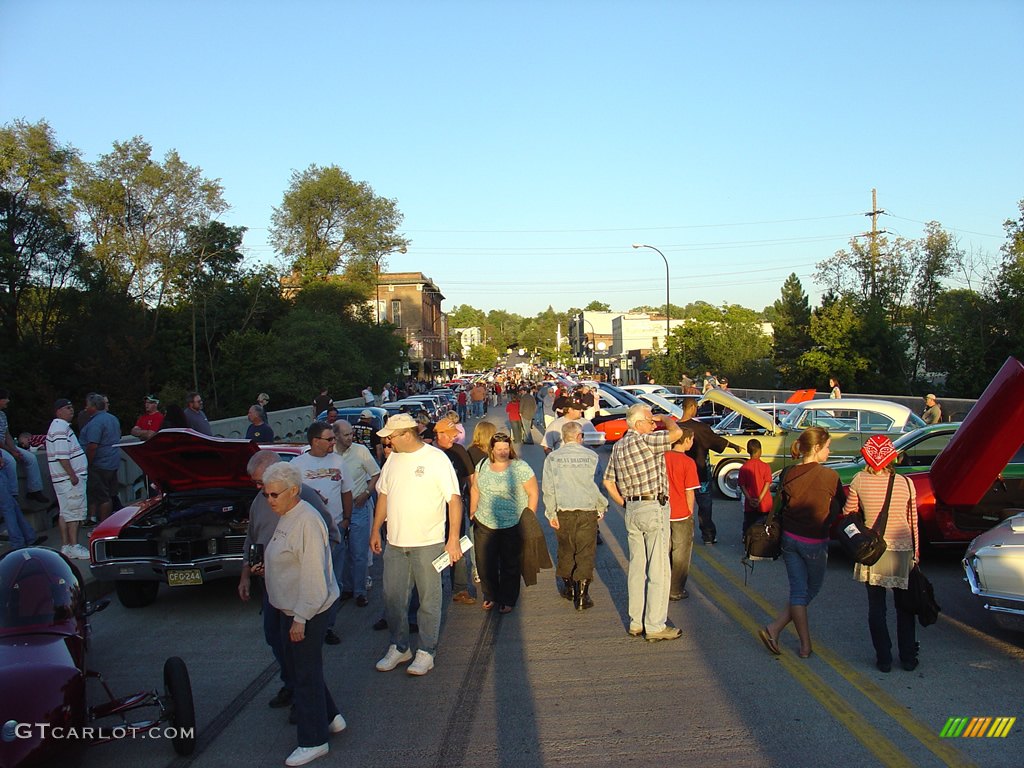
(835, 330)
(964, 342)
(138, 213)
(1008, 293)
(327, 220)
(481, 357)
(791, 318)
(39, 246)
(597, 306)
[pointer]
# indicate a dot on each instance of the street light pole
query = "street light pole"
(668, 325)
(593, 345)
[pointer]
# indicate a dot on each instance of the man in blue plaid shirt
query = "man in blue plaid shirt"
(635, 479)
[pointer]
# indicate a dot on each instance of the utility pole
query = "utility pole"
(874, 213)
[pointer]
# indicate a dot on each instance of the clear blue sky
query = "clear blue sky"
(529, 143)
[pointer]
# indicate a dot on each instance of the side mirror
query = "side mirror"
(96, 607)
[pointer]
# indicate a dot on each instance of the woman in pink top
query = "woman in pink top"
(868, 490)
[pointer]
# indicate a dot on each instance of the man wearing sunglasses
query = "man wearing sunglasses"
(262, 524)
(323, 470)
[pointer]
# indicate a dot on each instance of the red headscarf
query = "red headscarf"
(878, 451)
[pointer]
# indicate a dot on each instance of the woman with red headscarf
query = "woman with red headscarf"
(869, 490)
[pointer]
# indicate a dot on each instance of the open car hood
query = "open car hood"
(747, 410)
(987, 439)
(183, 460)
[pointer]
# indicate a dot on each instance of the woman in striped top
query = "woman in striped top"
(868, 490)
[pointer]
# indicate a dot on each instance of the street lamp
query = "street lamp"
(376, 261)
(593, 344)
(668, 326)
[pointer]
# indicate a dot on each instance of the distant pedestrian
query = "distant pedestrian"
(263, 400)
(100, 438)
(149, 423)
(932, 413)
(836, 393)
(368, 397)
(515, 421)
(258, 429)
(362, 471)
(527, 413)
(635, 479)
(705, 439)
(11, 455)
(755, 479)
(322, 402)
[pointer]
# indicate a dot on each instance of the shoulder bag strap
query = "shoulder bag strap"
(883, 517)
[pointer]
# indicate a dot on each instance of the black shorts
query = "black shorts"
(101, 486)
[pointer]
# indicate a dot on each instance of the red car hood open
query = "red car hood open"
(183, 460)
(987, 439)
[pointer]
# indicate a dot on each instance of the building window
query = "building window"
(396, 312)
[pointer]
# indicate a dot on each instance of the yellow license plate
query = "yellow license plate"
(184, 577)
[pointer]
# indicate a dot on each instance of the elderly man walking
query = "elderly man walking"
(573, 504)
(635, 479)
(415, 484)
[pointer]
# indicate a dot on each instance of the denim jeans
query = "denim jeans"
(20, 532)
(355, 559)
(515, 428)
(33, 480)
(461, 410)
(272, 634)
(314, 706)
(681, 550)
(405, 567)
(648, 576)
(906, 629)
(805, 567)
(337, 563)
(708, 531)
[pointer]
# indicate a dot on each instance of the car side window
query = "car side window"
(872, 421)
(924, 453)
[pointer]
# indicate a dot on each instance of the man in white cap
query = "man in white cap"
(415, 484)
(932, 410)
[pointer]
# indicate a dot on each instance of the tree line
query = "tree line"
(117, 277)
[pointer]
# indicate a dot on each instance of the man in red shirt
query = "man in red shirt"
(755, 479)
(150, 421)
(683, 482)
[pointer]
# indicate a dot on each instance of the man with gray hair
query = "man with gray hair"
(100, 437)
(195, 416)
(258, 429)
(573, 504)
(262, 524)
(635, 479)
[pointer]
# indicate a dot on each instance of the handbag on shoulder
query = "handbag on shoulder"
(865, 545)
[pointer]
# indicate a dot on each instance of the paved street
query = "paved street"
(547, 686)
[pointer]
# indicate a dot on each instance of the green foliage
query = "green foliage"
(791, 320)
(481, 357)
(327, 220)
(597, 306)
(835, 330)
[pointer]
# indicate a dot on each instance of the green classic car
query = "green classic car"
(849, 421)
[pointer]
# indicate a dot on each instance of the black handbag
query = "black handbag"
(919, 596)
(865, 545)
(763, 539)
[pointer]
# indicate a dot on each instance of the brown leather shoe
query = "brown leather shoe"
(463, 598)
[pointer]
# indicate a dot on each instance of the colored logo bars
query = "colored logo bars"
(977, 727)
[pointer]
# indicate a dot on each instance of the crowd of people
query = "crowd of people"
(453, 515)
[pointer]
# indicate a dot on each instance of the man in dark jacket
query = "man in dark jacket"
(704, 439)
(527, 411)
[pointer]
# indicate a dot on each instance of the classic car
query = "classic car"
(977, 480)
(44, 636)
(352, 415)
(850, 423)
(192, 532)
(737, 424)
(651, 389)
(994, 566)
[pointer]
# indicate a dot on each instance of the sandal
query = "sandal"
(769, 642)
(505, 609)
(487, 605)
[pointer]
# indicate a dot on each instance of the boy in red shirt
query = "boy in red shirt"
(755, 479)
(681, 472)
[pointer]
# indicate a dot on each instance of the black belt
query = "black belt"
(641, 498)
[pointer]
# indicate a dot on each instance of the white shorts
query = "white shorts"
(71, 498)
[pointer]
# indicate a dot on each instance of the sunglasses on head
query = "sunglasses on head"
(501, 437)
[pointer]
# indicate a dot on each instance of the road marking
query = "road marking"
(875, 693)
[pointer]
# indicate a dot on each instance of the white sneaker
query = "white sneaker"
(303, 755)
(422, 664)
(393, 658)
(337, 725)
(66, 550)
(79, 552)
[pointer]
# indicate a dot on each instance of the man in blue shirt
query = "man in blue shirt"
(100, 437)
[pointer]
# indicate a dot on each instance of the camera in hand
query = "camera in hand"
(255, 555)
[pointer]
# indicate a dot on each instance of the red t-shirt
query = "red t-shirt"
(150, 421)
(681, 471)
(512, 409)
(753, 476)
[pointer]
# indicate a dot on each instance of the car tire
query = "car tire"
(137, 594)
(727, 477)
(178, 692)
